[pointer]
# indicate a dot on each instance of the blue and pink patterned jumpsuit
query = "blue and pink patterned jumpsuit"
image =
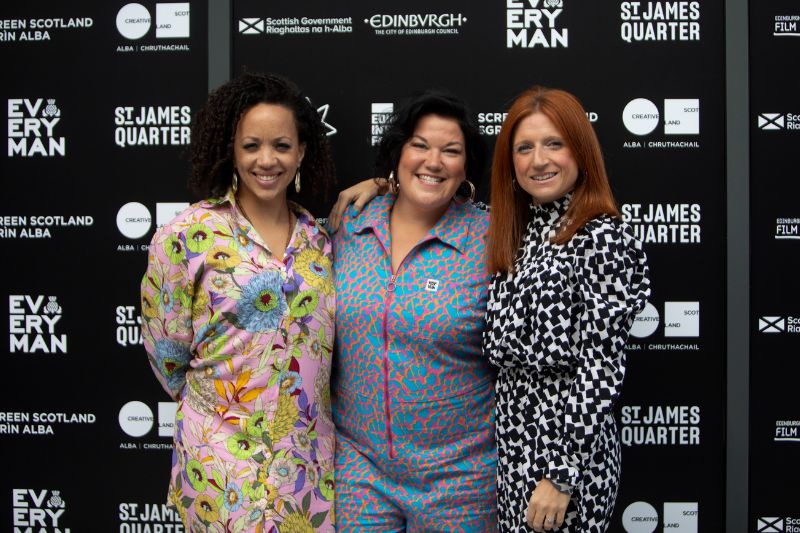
(413, 396)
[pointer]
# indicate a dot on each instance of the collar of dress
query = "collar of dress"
(452, 228)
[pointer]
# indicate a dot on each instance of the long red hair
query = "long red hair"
(591, 197)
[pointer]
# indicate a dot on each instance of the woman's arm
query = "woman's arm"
(359, 195)
(166, 299)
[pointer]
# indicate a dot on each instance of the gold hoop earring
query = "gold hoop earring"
(297, 181)
(471, 191)
(394, 185)
(235, 182)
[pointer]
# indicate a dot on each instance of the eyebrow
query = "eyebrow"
(423, 139)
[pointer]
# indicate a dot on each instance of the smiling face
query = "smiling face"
(543, 163)
(432, 164)
(267, 152)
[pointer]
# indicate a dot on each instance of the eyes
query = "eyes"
(278, 145)
(527, 147)
(452, 150)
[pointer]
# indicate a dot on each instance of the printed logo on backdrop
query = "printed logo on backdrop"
(129, 326)
(40, 423)
(134, 221)
(535, 24)
(31, 128)
(787, 228)
(770, 524)
(172, 21)
(681, 320)
(787, 431)
(642, 117)
(287, 26)
(39, 226)
(33, 325)
(646, 322)
(778, 121)
(779, 324)
(138, 517)
(39, 29)
(380, 116)
(416, 24)
(490, 123)
(776, 524)
(152, 125)
(786, 26)
(659, 21)
(664, 223)
(660, 425)
(43, 510)
(136, 419)
(641, 517)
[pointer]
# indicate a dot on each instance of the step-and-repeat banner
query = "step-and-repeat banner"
(98, 101)
(774, 267)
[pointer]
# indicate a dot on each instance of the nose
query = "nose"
(433, 160)
(539, 158)
(266, 156)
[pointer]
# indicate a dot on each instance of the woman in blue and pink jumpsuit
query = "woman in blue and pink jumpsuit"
(412, 395)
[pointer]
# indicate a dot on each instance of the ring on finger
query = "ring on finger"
(550, 520)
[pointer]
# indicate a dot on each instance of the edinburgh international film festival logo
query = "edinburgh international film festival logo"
(535, 24)
(32, 128)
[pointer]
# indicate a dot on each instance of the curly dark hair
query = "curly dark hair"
(403, 121)
(215, 125)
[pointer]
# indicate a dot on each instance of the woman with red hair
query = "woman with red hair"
(568, 279)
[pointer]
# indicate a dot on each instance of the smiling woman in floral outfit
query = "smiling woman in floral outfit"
(238, 306)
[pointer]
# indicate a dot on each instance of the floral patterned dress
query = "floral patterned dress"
(243, 342)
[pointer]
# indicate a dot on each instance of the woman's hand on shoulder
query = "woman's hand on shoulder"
(359, 195)
(547, 507)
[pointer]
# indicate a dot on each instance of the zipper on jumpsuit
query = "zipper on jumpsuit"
(385, 336)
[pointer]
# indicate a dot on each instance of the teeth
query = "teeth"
(430, 179)
(267, 178)
(543, 177)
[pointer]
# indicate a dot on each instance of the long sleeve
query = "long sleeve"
(613, 286)
(166, 299)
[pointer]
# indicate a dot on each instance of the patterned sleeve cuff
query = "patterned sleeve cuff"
(562, 474)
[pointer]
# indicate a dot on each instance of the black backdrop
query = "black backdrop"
(97, 106)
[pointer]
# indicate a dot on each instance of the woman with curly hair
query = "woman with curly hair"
(238, 307)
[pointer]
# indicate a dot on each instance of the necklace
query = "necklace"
(291, 222)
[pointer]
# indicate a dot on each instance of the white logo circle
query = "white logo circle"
(640, 116)
(133, 21)
(640, 517)
(134, 220)
(136, 418)
(646, 322)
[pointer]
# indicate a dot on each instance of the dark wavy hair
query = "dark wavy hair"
(215, 125)
(401, 125)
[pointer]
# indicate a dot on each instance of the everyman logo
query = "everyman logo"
(31, 128)
(535, 24)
